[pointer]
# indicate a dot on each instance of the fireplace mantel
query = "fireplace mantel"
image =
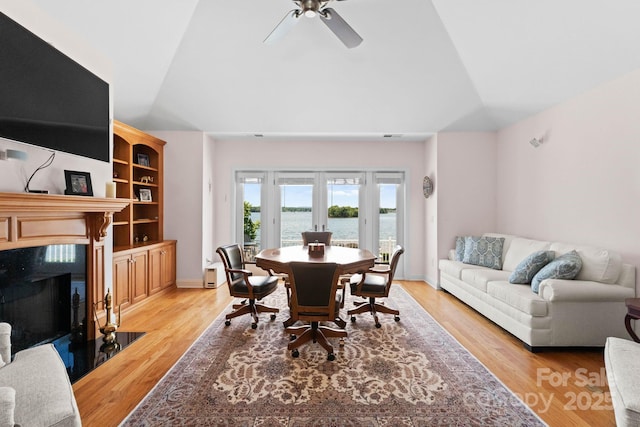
(42, 219)
(49, 219)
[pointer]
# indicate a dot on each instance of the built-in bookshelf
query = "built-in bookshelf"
(143, 262)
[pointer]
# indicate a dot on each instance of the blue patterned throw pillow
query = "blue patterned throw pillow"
(459, 248)
(566, 266)
(483, 251)
(528, 267)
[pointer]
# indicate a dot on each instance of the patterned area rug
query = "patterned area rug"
(407, 373)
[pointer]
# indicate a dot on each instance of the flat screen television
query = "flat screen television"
(49, 100)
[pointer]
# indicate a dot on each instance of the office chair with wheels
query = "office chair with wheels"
(373, 284)
(314, 298)
(243, 284)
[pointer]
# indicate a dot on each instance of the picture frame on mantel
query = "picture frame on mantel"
(78, 183)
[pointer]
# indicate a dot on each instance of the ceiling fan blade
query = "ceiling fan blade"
(340, 28)
(287, 23)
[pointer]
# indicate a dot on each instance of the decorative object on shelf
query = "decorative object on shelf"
(78, 183)
(145, 238)
(427, 187)
(143, 160)
(136, 239)
(110, 191)
(109, 329)
(146, 179)
(145, 195)
(77, 328)
(115, 174)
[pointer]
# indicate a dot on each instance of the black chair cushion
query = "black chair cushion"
(373, 283)
(262, 285)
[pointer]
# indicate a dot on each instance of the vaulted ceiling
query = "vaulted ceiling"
(424, 66)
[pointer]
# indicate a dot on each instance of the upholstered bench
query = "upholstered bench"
(622, 362)
(34, 389)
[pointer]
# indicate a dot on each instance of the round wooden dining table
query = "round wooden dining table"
(349, 260)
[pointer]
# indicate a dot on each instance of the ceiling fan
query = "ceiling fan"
(311, 9)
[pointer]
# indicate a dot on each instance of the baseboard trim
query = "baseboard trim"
(190, 284)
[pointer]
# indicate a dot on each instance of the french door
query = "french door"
(319, 201)
(361, 209)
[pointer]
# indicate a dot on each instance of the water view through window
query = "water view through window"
(361, 209)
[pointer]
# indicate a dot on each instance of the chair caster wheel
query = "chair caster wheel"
(331, 357)
(254, 325)
(292, 337)
(295, 353)
(273, 317)
(227, 322)
(396, 318)
(353, 318)
(378, 325)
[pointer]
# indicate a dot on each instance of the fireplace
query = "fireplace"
(43, 220)
(43, 293)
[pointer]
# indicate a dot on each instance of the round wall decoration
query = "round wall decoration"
(427, 187)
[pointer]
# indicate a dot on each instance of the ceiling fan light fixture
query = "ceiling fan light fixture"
(310, 13)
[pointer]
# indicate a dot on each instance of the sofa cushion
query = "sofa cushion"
(598, 265)
(566, 266)
(623, 367)
(455, 268)
(529, 266)
(479, 277)
(484, 251)
(521, 248)
(519, 297)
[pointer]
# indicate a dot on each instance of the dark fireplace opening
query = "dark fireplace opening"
(42, 293)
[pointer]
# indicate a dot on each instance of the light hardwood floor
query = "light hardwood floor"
(565, 388)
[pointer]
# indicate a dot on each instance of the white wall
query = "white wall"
(430, 251)
(465, 186)
(582, 185)
(186, 202)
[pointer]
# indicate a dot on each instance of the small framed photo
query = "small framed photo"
(145, 195)
(78, 183)
(143, 160)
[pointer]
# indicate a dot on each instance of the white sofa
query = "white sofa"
(581, 312)
(622, 362)
(34, 389)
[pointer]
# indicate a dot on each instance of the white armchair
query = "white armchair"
(34, 388)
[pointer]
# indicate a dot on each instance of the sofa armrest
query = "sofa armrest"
(583, 291)
(7, 406)
(5, 343)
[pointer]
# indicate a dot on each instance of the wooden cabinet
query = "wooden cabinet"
(143, 263)
(162, 271)
(130, 278)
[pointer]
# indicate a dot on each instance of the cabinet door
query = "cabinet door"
(155, 270)
(168, 265)
(121, 281)
(139, 276)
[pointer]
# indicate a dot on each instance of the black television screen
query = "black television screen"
(48, 99)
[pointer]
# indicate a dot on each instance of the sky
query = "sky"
(342, 195)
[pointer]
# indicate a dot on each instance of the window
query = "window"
(362, 209)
